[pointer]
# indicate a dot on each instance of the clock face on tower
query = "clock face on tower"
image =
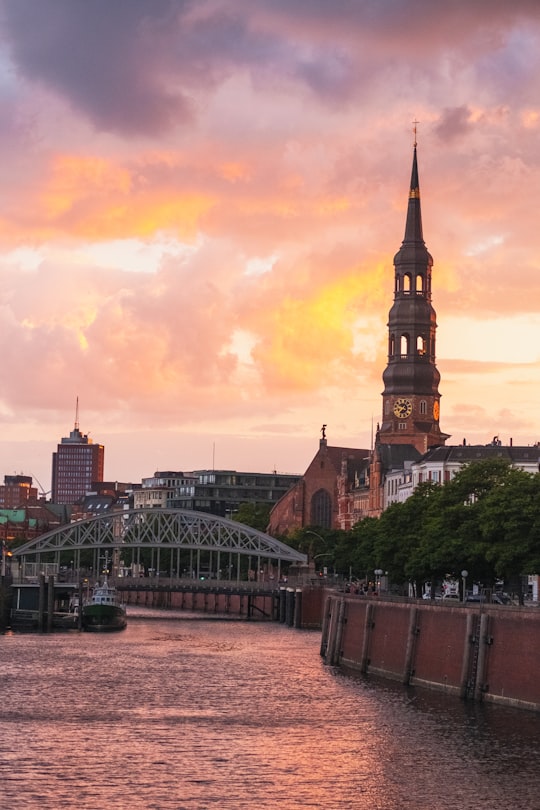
(436, 411)
(402, 408)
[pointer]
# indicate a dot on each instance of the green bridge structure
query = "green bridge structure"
(171, 544)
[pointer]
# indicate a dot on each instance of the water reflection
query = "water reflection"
(200, 714)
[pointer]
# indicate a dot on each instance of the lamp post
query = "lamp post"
(464, 575)
(318, 557)
(311, 558)
(378, 574)
(316, 534)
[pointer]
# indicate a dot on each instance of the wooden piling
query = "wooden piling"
(411, 644)
(80, 611)
(298, 608)
(41, 603)
(289, 607)
(468, 645)
(484, 641)
(50, 603)
(368, 628)
(325, 624)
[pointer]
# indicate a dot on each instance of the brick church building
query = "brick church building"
(343, 485)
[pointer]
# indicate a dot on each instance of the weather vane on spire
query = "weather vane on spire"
(415, 123)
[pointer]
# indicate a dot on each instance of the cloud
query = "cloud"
(102, 57)
(200, 203)
(136, 67)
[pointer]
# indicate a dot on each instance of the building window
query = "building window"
(321, 509)
(404, 345)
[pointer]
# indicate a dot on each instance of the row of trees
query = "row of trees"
(486, 520)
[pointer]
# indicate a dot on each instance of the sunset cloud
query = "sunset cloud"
(199, 208)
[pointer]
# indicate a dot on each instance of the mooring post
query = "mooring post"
(41, 602)
(368, 628)
(341, 619)
(289, 611)
(411, 645)
(298, 608)
(282, 604)
(484, 641)
(79, 612)
(324, 631)
(468, 645)
(50, 603)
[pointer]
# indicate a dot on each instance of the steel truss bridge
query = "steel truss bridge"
(176, 543)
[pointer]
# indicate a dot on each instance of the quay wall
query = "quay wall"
(243, 605)
(487, 652)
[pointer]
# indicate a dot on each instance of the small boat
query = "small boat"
(104, 611)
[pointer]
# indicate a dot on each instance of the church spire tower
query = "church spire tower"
(411, 399)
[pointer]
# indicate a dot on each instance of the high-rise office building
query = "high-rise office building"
(76, 464)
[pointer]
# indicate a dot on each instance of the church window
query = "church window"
(391, 346)
(421, 344)
(407, 283)
(404, 347)
(387, 407)
(321, 509)
(419, 283)
(402, 426)
(423, 406)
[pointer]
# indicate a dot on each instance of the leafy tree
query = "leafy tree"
(402, 549)
(510, 526)
(355, 550)
(255, 515)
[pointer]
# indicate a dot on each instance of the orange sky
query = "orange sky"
(199, 210)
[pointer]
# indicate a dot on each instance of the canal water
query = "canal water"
(192, 714)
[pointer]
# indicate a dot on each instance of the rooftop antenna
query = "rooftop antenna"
(77, 414)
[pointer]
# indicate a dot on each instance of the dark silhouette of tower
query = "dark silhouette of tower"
(411, 399)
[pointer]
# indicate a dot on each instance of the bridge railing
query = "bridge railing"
(134, 583)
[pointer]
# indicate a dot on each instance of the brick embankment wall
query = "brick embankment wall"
(490, 654)
(246, 605)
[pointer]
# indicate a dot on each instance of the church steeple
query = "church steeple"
(411, 396)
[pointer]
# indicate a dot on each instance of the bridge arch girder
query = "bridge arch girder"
(160, 528)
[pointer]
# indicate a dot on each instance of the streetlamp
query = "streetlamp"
(311, 558)
(464, 575)
(378, 574)
(315, 534)
(325, 554)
